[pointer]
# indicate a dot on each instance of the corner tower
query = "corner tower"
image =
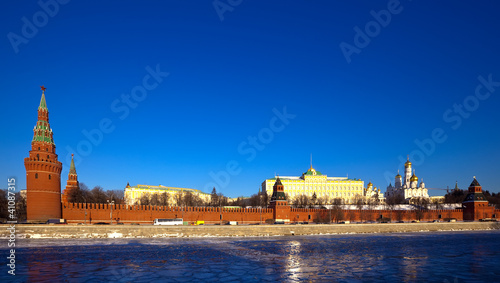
(72, 183)
(43, 171)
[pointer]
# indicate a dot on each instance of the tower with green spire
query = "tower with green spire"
(72, 183)
(43, 171)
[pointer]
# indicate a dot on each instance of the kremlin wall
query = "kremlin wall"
(45, 201)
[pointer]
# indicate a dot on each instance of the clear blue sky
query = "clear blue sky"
(227, 71)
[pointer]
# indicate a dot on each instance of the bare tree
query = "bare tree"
(164, 199)
(214, 198)
(359, 201)
(145, 199)
(97, 195)
(179, 199)
(314, 200)
(4, 204)
(116, 195)
(301, 201)
(80, 194)
(337, 212)
(255, 200)
(21, 207)
(155, 199)
(223, 201)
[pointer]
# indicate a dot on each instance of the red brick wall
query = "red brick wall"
(75, 212)
(304, 214)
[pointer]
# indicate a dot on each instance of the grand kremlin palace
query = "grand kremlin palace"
(133, 194)
(313, 181)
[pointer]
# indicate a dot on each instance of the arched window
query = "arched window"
(49, 177)
(36, 175)
(38, 157)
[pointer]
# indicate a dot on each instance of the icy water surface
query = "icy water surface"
(424, 257)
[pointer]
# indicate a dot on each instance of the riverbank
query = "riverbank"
(150, 231)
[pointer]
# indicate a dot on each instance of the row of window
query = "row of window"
(36, 176)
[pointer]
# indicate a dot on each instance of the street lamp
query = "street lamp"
(85, 210)
(111, 213)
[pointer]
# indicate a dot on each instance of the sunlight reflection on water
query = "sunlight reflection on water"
(438, 257)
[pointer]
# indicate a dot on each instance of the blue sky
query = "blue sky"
(205, 84)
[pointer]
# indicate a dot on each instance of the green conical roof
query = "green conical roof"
(72, 169)
(42, 131)
(43, 104)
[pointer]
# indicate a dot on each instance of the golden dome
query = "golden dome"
(369, 185)
(408, 163)
(414, 178)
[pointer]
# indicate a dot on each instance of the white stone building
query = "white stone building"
(409, 187)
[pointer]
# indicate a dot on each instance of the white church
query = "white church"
(409, 188)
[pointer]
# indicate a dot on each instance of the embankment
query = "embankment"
(150, 231)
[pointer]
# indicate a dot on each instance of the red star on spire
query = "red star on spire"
(43, 88)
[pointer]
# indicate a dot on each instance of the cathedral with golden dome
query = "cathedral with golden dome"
(409, 187)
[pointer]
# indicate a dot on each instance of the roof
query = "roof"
(474, 183)
(312, 172)
(72, 169)
(475, 197)
(43, 104)
(164, 188)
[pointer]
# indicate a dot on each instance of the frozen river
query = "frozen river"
(432, 257)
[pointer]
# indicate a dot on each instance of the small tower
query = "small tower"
(407, 172)
(398, 182)
(72, 183)
(43, 171)
(413, 180)
(279, 204)
(475, 205)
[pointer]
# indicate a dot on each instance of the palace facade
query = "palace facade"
(407, 188)
(313, 182)
(133, 194)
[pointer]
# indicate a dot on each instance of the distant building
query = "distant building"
(371, 192)
(313, 182)
(409, 187)
(133, 194)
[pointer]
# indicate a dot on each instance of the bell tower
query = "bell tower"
(43, 171)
